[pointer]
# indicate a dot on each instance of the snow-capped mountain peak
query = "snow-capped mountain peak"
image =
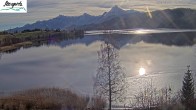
(66, 22)
(116, 11)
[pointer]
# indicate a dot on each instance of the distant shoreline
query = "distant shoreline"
(13, 41)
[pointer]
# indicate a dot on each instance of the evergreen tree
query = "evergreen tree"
(188, 90)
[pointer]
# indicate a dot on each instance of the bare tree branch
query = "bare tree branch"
(110, 78)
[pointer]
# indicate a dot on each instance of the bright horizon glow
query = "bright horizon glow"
(142, 71)
(140, 31)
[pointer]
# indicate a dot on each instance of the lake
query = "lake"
(72, 64)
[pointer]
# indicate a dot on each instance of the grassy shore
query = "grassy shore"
(48, 99)
(11, 41)
(15, 46)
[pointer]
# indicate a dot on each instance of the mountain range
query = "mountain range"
(117, 18)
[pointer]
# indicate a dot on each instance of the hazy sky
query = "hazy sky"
(46, 9)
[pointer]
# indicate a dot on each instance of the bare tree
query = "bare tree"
(153, 98)
(110, 78)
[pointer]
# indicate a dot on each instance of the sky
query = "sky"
(39, 10)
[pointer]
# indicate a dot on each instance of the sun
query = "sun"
(140, 31)
(142, 71)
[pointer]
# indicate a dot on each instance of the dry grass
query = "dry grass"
(44, 99)
(14, 46)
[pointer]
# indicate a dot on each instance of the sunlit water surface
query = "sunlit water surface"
(73, 63)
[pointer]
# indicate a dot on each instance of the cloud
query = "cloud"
(43, 10)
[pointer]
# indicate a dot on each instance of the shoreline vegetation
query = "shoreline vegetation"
(28, 38)
(49, 99)
(11, 42)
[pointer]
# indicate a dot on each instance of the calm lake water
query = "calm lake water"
(73, 63)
